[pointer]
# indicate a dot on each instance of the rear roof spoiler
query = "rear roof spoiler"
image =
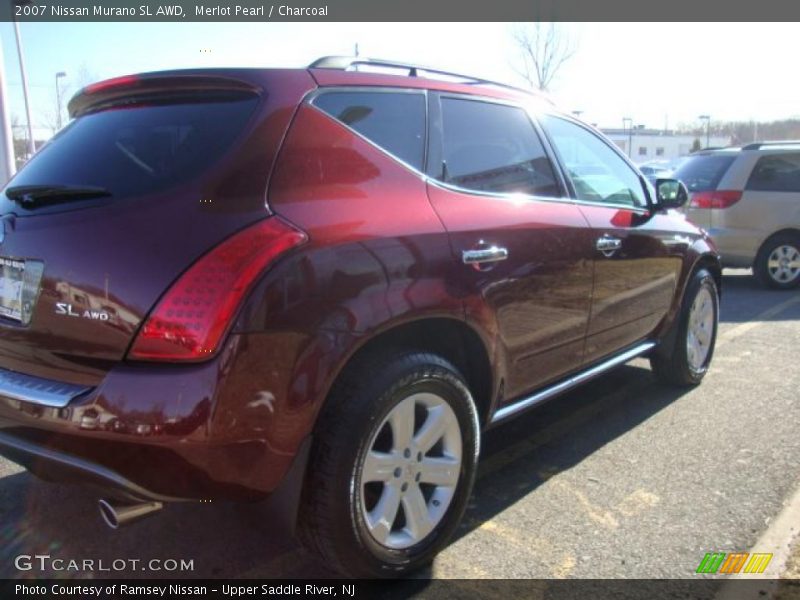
(153, 85)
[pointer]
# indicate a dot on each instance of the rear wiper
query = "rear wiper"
(31, 196)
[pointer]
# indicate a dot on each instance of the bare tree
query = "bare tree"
(543, 49)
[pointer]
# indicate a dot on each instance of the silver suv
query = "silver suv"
(748, 199)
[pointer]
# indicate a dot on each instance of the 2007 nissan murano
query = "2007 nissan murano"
(322, 284)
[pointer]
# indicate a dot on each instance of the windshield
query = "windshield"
(703, 173)
(131, 150)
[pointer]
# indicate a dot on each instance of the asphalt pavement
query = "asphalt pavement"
(620, 478)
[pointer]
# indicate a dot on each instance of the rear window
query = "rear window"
(776, 173)
(703, 173)
(135, 149)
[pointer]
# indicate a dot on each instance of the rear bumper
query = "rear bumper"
(223, 429)
(737, 247)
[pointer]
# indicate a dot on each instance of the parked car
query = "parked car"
(748, 199)
(655, 171)
(326, 284)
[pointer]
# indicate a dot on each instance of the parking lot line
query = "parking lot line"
(758, 320)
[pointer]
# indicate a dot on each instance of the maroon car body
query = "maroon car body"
(379, 261)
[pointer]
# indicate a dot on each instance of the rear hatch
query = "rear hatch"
(154, 171)
(702, 173)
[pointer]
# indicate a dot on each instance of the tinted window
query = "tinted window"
(494, 148)
(393, 121)
(132, 150)
(703, 172)
(776, 173)
(598, 173)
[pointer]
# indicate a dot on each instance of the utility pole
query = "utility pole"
(707, 119)
(31, 145)
(630, 134)
(59, 75)
(7, 164)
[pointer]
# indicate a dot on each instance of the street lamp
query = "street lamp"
(59, 75)
(629, 122)
(707, 119)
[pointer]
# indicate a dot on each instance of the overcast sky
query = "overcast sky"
(656, 73)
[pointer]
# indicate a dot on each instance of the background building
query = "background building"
(656, 144)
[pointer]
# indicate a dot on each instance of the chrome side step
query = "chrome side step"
(571, 382)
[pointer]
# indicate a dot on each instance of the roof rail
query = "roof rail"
(758, 145)
(345, 63)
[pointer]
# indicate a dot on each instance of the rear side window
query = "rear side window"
(776, 173)
(395, 121)
(493, 148)
(704, 172)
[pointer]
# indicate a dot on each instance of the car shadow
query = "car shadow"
(229, 540)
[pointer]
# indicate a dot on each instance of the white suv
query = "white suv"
(748, 199)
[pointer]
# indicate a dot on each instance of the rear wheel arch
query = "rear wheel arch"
(450, 338)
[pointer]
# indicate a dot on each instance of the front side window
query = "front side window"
(394, 121)
(598, 173)
(776, 173)
(493, 147)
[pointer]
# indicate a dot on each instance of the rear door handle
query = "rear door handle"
(484, 255)
(608, 244)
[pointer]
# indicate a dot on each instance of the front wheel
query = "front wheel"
(392, 465)
(687, 362)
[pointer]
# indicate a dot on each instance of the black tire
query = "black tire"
(772, 278)
(672, 365)
(332, 519)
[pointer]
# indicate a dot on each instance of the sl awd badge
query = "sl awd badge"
(62, 308)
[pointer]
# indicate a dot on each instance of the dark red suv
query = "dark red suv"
(322, 284)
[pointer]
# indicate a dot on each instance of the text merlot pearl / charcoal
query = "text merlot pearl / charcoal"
(260, 11)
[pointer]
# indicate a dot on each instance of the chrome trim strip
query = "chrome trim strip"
(570, 382)
(36, 390)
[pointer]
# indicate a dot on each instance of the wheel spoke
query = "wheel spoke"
(439, 471)
(432, 429)
(381, 518)
(401, 420)
(703, 337)
(379, 466)
(418, 521)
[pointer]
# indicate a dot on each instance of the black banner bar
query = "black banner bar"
(700, 588)
(397, 10)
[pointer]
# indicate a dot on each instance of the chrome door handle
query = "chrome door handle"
(484, 255)
(608, 244)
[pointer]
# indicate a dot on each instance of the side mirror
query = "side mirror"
(671, 193)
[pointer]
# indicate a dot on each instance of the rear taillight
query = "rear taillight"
(190, 320)
(715, 199)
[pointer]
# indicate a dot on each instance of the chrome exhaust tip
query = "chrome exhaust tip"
(116, 514)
